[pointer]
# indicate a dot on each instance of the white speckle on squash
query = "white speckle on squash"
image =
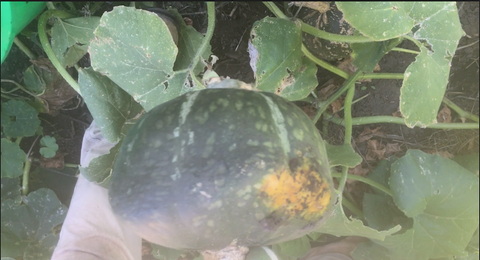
(203, 193)
(210, 223)
(191, 136)
(241, 203)
(232, 147)
(252, 142)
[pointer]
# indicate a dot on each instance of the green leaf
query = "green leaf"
(295, 248)
(378, 20)
(19, 119)
(425, 77)
(469, 162)
(99, 170)
(370, 251)
(443, 200)
(339, 225)
(135, 49)
(189, 41)
(342, 155)
(12, 159)
(33, 81)
(277, 59)
(11, 189)
(381, 213)
(67, 33)
(111, 106)
(49, 146)
(367, 55)
(74, 54)
(27, 229)
(165, 253)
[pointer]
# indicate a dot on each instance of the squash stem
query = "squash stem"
(205, 42)
(324, 64)
(42, 34)
(24, 48)
(372, 183)
(462, 113)
(350, 206)
(405, 50)
(397, 120)
(350, 82)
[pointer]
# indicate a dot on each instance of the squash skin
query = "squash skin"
(214, 166)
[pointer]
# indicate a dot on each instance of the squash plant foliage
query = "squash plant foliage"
(422, 207)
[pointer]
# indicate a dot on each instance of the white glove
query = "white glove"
(91, 230)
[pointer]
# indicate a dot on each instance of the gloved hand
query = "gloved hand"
(91, 230)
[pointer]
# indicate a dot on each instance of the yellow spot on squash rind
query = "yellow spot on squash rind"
(302, 193)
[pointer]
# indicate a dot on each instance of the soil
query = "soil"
(229, 43)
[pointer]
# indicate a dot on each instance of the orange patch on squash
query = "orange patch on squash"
(300, 193)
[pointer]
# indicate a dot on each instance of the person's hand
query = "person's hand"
(91, 230)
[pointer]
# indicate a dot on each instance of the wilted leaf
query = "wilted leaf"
(277, 59)
(13, 159)
(444, 115)
(368, 133)
(19, 119)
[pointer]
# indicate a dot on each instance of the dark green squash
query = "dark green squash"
(221, 165)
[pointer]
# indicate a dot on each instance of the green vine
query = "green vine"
(42, 26)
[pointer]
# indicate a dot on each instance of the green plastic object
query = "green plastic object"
(15, 16)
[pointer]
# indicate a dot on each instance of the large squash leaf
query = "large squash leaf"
(277, 59)
(19, 119)
(437, 25)
(135, 49)
(27, 229)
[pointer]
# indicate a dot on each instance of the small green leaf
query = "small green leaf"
(443, 200)
(74, 54)
(295, 248)
(342, 155)
(135, 49)
(100, 168)
(277, 59)
(367, 55)
(33, 81)
(189, 41)
(49, 146)
(27, 229)
(111, 106)
(19, 119)
(13, 159)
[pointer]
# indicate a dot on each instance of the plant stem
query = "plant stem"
(42, 25)
(205, 42)
(405, 50)
(332, 36)
(18, 86)
(324, 64)
(350, 206)
(317, 32)
(24, 48)
(397, 120)
(462, 113)
(410, 38)
(18, 140)
(372, 183)
(382, 76)
(26, 173)
(348, 115)
(350, 82)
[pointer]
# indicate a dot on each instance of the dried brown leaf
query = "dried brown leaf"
(321, 7)
(391, 148)
(368, 133)
(56, 161)
(444, 115)
(397, 114)
(375, 150)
